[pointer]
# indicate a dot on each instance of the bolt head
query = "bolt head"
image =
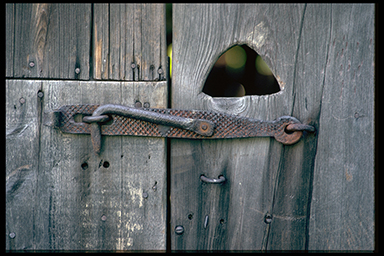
(179, 230)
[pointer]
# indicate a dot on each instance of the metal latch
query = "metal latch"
(113, 119)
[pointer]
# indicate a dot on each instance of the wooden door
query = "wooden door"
(60, 195)
(314, 195)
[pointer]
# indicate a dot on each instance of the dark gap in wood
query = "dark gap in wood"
(238, 72)
(91, 45)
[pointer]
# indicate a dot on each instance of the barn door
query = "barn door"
(316, 194)
(60, 195)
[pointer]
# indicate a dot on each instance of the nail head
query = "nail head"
(12, 235)
(22, 100)
(179, 230)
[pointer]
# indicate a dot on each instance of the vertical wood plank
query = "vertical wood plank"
(129, 42)
(52, 40)
(9, 38)
(252, 167)
(23, 109)
(342, 207)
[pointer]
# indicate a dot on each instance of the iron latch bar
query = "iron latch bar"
(113, 119)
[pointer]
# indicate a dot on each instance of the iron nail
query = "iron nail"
(12, 235)
(31, 64)
(77, 70)
(146, 104)
(206, 221)
(103, 218)
(22, 100)
(145, 195)
(40, 94)
(268, 218)
(179, 230)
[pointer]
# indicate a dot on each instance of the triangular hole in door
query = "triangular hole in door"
(238, 72)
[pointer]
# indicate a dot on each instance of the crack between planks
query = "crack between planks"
(296, 59)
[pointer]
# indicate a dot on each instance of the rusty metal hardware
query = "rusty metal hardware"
(221, 179)
(190, 124)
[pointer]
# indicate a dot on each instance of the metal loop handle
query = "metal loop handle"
(221, 179)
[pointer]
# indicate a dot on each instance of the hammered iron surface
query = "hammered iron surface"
(226, 126)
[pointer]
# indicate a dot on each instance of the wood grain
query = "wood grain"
(129, 42)
(82, 201)
(22, 161)
(54, 37)
(264, 176)
(342, 208)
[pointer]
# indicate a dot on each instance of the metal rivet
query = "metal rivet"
(146, 104)
(138, 104)
(77, 70)
(31, 64)
(22, 100)
(103, 218)
(12, 235)
(268, 218)
(179, 230)
(204, 127)
(145, 195)
(40, 94)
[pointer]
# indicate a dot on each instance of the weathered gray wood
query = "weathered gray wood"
(201, 34)
(73, 188)
(342, 208)
(9, 38)
(126, 34)
(22, 147)
(264, 176)
(55, 37)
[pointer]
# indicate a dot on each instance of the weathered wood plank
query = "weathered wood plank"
(253, 167)
(342, 208)
(86, 202)
(22, 147)
(50, 40)
(129, 42)
(317, 82)
(9, 38)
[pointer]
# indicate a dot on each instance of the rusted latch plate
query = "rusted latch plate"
(191, 124)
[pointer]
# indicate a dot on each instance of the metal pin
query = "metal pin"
(206, 221)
